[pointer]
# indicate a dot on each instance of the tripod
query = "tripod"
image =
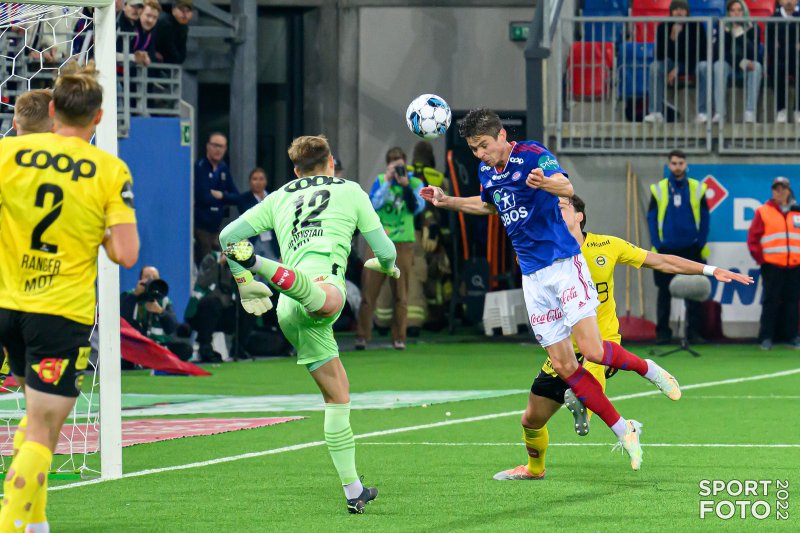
(692, 288)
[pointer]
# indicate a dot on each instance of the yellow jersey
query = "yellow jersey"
(58, 195)
(602, 254)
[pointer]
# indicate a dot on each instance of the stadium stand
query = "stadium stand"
(591, 66)
(707, 8)
(645, 32)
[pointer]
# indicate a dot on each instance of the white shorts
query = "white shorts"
(558, 297)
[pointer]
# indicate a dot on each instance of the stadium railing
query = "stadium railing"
(154, 90)
(142, 91)
(606, 85)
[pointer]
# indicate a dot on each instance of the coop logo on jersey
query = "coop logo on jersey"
(51, 369)
(41, 159)
(547, 162)
(485, 168)
(517, 160)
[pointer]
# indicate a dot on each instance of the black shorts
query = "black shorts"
(50, 352)
(553, 387)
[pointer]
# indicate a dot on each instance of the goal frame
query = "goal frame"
(107, 271)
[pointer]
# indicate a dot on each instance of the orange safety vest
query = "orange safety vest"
(780, 242)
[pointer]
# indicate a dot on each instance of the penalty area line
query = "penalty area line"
(406, 429)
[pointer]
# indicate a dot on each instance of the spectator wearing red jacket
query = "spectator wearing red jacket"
(774, 243)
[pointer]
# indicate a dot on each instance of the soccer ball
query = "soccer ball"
(428, 116)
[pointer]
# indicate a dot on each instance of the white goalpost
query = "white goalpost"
(49, 20)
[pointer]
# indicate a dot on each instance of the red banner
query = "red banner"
(140, 350)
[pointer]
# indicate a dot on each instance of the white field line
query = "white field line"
(406, 429)
(605, 444)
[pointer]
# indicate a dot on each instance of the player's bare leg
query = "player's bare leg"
(27, 475)
(596, 350)
(588, 390)
(534, 433)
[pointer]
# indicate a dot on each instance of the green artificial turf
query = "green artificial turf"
(439, 478)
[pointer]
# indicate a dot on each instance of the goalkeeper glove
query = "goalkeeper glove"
(242, 252)
(374, 264)
(255, 295)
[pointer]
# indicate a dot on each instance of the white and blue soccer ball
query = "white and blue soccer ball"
(428, 116)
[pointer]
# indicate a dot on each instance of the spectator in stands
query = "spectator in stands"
(144, 46)
(782, 43)
(678, 221)
(740, 51)
(772, 239)
(149, 310)
(128, 22)
(264, 244)
(171, 33)
(213, 307)
(396, 197)
(32, 112)
(678, 48)
(213, 190)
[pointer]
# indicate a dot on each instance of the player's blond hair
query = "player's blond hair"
(77, 95)
(32, 111)
(310, 153)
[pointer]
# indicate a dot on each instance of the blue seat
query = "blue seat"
(707, 8)
(594, 8)
(609, 32)
(633, 62)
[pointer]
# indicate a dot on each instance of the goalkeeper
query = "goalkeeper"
(314, 218)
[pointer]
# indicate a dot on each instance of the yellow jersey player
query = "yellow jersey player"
(61, 199)
(549, 392)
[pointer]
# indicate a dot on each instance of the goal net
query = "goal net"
(37, 39)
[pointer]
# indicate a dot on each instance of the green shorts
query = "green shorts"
(312, 337)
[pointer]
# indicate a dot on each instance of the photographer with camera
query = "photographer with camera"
(772, 239)
(148, 309)
(396, 197)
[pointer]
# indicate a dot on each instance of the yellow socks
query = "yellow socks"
(19, 435)
(24, 481)
(536, 441)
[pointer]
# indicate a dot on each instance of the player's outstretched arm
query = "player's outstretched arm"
(122, 244)
(472, 205)
(556, 184)
(385, 253)
(672, 264)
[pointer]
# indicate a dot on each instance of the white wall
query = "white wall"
(463, 55)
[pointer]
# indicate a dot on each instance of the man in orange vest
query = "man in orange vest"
(774, 242)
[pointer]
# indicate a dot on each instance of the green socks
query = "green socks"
(293, 283)
(339, 438)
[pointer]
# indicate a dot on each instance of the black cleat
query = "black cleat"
(356, 505)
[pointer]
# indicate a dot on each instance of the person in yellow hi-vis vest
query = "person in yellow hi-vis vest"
(678, 221)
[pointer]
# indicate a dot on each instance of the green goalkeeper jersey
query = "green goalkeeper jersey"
(314, 219)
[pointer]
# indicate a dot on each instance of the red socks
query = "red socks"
(616, 356)
(588, 390)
